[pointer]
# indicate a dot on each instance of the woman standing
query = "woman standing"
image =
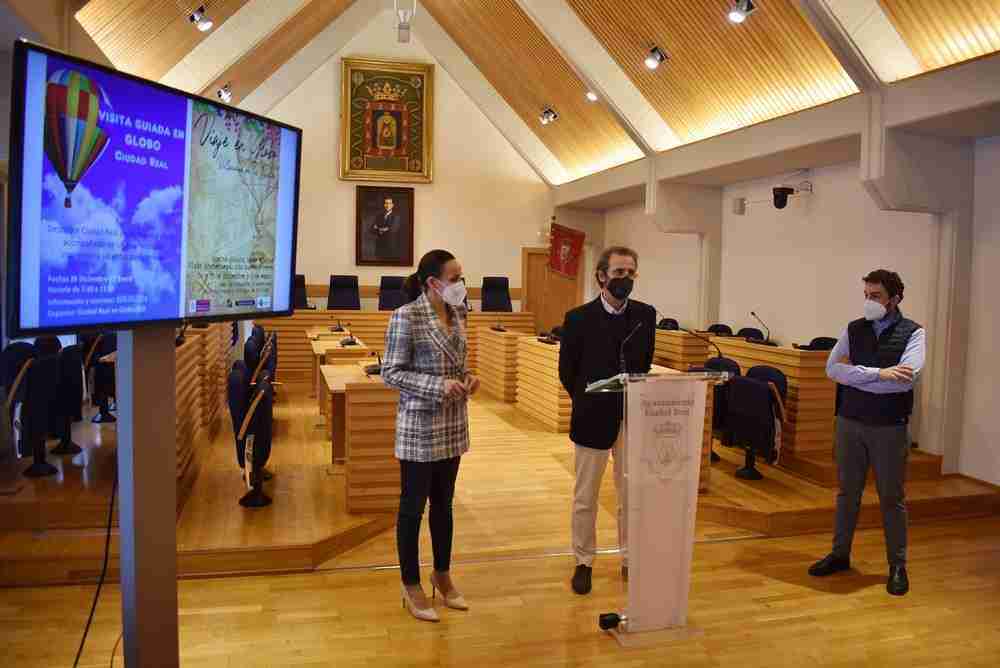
(425, 351)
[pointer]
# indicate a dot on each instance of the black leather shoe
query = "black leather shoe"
(898, 583)
(829, 565)
(581, 579)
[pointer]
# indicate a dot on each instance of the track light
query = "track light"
(741, 10)
(226, 93)
(655, 57)
(403, 19)
(200, 20)
(548, 115)
(592, 96)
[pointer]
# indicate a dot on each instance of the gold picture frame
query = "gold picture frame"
(387, 121)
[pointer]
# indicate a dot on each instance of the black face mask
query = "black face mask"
(620, 288)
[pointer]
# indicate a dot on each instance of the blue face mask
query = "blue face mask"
(874, 310)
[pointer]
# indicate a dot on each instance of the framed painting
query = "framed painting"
(387, 121)
(384, 226)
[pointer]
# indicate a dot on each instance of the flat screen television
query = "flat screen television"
(132, 203)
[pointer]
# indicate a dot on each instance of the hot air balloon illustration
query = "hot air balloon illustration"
(73, 140)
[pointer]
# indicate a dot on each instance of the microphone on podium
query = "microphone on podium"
(621, 349)
(757, 318)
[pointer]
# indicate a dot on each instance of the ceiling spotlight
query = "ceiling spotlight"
(741, 10)
(592, 96)
(655, 57)
(548, 115)
(200, 20)
(226, 93)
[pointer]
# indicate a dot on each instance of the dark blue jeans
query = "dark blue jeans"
(420, 481)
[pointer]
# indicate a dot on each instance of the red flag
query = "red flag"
(565, 250)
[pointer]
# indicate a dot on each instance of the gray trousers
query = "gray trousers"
(886, 448)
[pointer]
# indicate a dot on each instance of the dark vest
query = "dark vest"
(880, 352)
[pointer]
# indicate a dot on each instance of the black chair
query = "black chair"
(344, 294)
(720, 399)
(721, 330)
(300, 299)
(41, 378)
(820, 343)
(238, 397)
(390, 293)
(669, 324)
(750, 333)
(752, 411)
(252, 351)
(103, 391)
(13, 372)
(69, 399)
(496, 294)
(256, 432)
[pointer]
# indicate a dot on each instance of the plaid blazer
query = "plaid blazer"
(419, 357)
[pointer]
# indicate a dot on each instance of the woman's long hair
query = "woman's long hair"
(431, 264)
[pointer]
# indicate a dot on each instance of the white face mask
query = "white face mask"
(453, 293)
(874, 310)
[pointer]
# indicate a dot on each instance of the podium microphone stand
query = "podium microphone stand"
(663, 429)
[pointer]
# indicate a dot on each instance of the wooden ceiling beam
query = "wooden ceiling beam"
(269, 54)
(592, 64)
(830, 30)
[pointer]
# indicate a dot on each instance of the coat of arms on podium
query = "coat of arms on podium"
(667, 457)
(387, 119)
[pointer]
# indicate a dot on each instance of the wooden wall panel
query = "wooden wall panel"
(530, 74)
(945, 32)
(148, 37)
(720, 76)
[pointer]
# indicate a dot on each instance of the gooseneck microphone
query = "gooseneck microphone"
(705, 339)
(621, 349)
(757, 318)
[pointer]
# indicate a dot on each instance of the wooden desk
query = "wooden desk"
(335, 380)
(498, 363)
(295, 363)
(679, 350)
(539, 392)
(809, 421)
(372, 470)
(331, 350)
(325, 333)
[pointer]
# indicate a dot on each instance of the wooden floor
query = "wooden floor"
(751, 600)
(513, 500)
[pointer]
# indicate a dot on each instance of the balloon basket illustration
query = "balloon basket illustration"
(73, 140)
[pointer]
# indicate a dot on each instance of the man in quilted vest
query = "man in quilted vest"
(875, 363)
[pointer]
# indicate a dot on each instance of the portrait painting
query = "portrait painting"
(384, 226)
(387, 121)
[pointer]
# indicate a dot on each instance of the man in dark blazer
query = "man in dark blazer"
(601, 339)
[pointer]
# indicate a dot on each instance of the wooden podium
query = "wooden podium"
(498, 353)
(808, 430)
(664, 424)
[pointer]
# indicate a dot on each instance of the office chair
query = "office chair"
(390, 293)
(496, 294)
(721, 330)
(750, 333)
(669, 324)
(344, 294)
(300, 299)
(820, 343)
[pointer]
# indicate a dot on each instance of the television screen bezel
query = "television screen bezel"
(14, 196)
